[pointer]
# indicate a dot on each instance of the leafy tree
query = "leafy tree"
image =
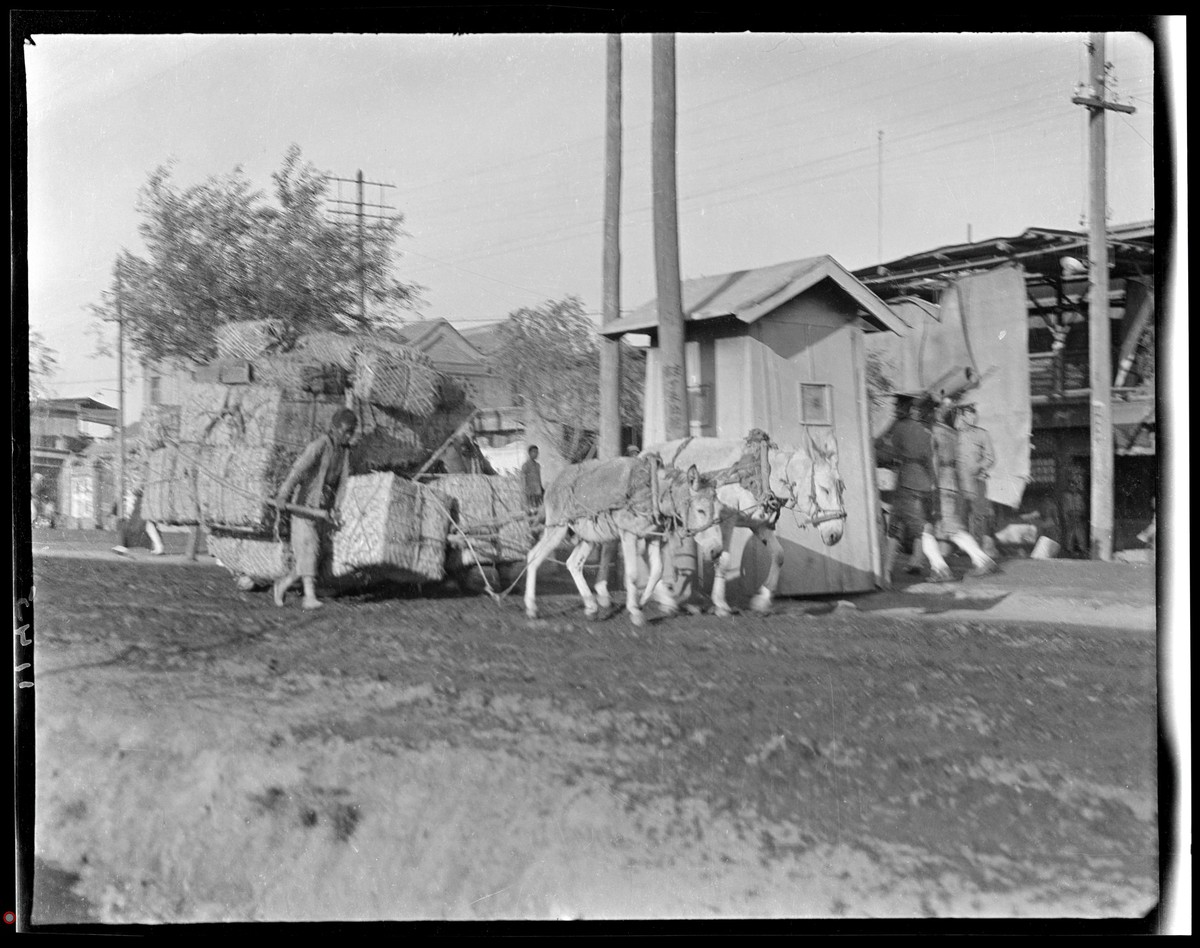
(550, 358)
(219, 252)
(42, 363)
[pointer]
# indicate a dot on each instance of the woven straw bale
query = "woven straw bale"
(373, 418)
(397, 377)
(257, 415)
(235, 481)
(390, 524)
(169, 494)
(328, 348)
(490, 511)
(202, 405)
(159, 425)
(287, 370)
(246, 339)
(257, 558)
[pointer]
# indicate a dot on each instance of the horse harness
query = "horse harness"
(673, 521)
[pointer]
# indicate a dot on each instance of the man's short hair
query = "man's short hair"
(533, 447)
(344, 417)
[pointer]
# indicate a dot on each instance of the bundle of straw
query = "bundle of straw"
(290, 370)
(391, 526)
(169, 494)
(236, 481)
(257, 558)
(490, 515)
(246, 339)
(397, 377)
(256, 415)
(203, 406)
(159, 425)
(328, 348)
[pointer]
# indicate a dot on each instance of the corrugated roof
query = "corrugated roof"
(749, 295)
(1029, 247)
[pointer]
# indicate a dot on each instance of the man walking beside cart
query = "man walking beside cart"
(313, 483)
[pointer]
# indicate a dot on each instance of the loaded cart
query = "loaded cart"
(246, 418)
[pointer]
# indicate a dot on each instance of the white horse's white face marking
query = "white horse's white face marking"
(817, 487)
(704, 514)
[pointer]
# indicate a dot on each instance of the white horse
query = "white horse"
(805, 482)
(671, 503)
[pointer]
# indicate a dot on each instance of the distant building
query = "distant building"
(76, 476)
(1056, 282)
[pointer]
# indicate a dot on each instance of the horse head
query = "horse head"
(815, 483)
(697, 510)
(828, 508)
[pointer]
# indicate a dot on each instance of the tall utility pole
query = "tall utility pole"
(666, 237)
(610, 349)
(357, 210)
(120, 395)
(681, 564)
(1099, 331)
(879, 192)
(362, 262)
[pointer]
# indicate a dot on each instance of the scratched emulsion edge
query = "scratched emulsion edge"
(22, 24)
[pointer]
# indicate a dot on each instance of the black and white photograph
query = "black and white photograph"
(529, 475)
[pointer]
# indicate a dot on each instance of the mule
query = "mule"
(804, 483)
(674, 503)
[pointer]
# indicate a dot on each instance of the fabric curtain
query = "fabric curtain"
(981, 323)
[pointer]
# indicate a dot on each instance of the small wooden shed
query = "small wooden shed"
(781, 348)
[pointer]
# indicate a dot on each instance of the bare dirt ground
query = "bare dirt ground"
(942, 751)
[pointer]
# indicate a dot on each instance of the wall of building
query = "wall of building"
(755, 376)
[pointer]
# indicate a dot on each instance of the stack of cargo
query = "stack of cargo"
(246, 417)
(490, 517)
(391, 527)
(247, 338)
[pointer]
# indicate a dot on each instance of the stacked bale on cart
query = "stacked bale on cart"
(492, 525)
(246, 417)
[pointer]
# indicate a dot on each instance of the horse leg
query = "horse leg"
(575, 563)
(662, 591)
(603, 597)
(629, 556)
(538, 555)
(653, 581)
(721, 572)
(761, 602)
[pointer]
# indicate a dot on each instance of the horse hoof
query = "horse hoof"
(637, 619)
(723, 613)
(591, 614)
(604, 602)
(760, 606)
(531, 613)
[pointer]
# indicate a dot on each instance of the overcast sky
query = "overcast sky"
(496, 146)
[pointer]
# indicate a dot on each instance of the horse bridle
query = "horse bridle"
(817, 514)
(686, 533)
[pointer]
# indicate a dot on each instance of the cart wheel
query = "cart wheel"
(508, 572)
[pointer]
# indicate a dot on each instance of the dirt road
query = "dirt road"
(203, 755)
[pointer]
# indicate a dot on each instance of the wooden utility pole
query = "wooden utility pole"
(357, 209)
(1099, 331)
(666, 238)
(681, 564)
(120, 396)
(610, 349)
(879, 194)
(362, 263)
